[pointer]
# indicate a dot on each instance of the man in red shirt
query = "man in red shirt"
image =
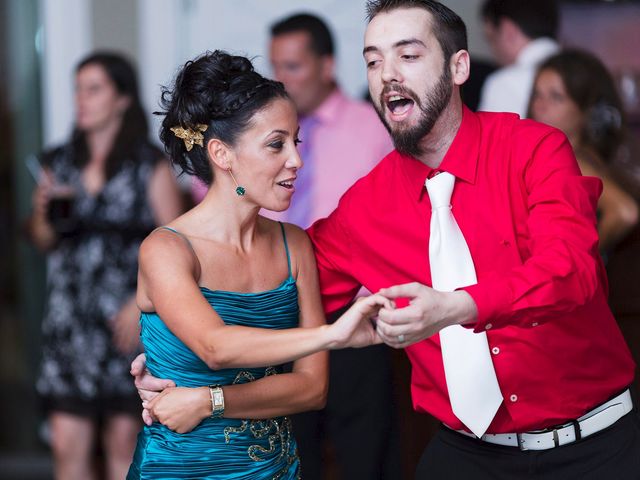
(302, 58)
(528, 217)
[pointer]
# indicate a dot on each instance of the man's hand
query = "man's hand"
(428, 312)
(180, 409)
(148, 386)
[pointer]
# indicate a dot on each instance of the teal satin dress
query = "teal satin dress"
(222, 448)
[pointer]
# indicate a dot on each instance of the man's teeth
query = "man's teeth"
(397, 103)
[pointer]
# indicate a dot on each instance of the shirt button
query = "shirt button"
(513, 398)
(534, 324)
(488, 326)
(495, 350)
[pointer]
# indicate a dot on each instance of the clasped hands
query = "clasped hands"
(428, 312)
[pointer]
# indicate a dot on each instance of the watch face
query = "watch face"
(218, 398)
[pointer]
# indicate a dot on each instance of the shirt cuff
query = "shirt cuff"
(493, 301)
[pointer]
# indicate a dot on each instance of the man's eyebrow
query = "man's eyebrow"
(399, 43)
(409, 41)
(369, 49)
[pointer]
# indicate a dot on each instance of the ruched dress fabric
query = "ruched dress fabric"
(219, 448)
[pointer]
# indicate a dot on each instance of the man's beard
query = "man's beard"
(407, 140)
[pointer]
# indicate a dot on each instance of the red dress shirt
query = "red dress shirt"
(529, 219)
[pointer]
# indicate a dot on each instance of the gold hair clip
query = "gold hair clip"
(189, 136)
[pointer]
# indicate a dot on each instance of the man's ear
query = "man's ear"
(460, 66)
(328, 68)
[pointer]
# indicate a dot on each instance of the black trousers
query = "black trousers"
(358, 421)
(612, 454)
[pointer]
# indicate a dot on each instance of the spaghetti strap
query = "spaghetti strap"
(286, 247)
(163, 227)
(181, 235)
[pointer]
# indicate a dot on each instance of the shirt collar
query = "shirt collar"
(328, 110)
(461, 160)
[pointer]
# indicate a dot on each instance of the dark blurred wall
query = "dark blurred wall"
(22, 268)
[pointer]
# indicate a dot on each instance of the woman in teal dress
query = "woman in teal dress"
(223, 290)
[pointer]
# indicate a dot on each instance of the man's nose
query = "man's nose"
(390, 72)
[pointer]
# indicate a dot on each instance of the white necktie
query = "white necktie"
(471, 379)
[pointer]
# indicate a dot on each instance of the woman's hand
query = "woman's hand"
(42, 195)
(180, 409)
(356, 327)
(40, 229)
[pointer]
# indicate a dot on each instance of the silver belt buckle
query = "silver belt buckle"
(522, 442)
(554, 432)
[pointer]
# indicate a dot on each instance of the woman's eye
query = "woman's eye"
(277, 144)
(297, 142)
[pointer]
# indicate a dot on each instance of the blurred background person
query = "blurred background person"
(473, 87)
(98, 196)
(342, 139)
(521, 35)
(575, 92)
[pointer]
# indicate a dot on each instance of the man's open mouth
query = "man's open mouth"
(399, 106)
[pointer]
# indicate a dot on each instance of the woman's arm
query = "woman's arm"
(167, 271)
(181, 409)
(305, 388)
(618, 210)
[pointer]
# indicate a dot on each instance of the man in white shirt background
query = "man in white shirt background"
(521, 34)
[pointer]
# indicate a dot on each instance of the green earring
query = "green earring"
(240, 191)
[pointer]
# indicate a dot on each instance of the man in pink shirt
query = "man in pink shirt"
(342, 140)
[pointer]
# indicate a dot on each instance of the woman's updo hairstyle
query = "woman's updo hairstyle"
(220, 91)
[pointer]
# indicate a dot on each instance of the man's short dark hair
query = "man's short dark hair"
(321, 38)
(448, 27)
(536, 19)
